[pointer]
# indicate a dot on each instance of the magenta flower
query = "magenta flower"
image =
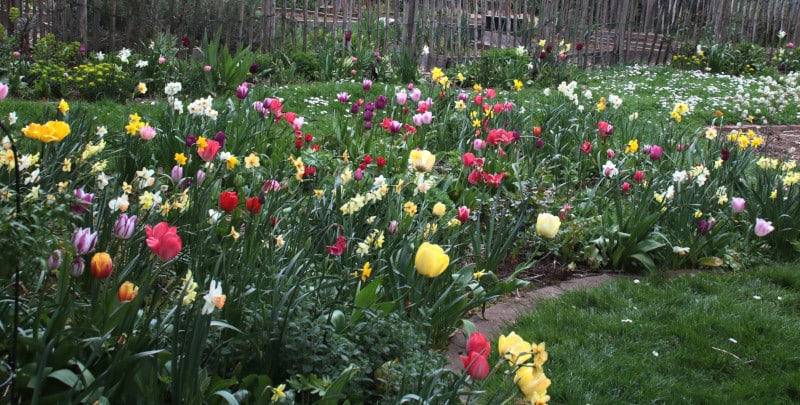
(656, 152)
(83, 203)
(54, 260)
(241, 91)
(763, 227)
(84, 240)
(463, 213)
(366, 84)
(125, 226)
(76, 267)
(343, 97)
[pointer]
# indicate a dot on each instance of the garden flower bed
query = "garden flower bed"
(232, 249)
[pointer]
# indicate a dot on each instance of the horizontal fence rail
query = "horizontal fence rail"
(440, 32)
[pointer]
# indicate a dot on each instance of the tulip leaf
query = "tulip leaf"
(225, 325)
(369, 294)
(227, 396)
(469, 327)
(66, 376)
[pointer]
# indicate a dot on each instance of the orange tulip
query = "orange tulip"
(127, 292)
(101, 265)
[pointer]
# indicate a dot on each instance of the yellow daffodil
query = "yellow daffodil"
(421, 160)
(63, 106)
(180, 159)
(366, 271)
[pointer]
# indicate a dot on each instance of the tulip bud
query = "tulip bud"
(54, 260)
(84, 240)
(439, 209)
(547, 225)
(463, 213)
(77, 266)
(478, 343)
(737, 204)
(127, 292)
(392, 227)
(477, 366)
(177, 173)
(430, 260)
(101, 265)
(125, 226)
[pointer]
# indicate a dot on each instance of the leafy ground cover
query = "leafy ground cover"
(702, 337)
(319, 243)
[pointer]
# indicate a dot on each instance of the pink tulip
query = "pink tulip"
(3, 90)
(763, 227)
(656, 152)
(207, 68)
(161, 59)
(147, 132)
(737, 204)
(163, 240)
(125, 226)
(84, 240)
(210, 151)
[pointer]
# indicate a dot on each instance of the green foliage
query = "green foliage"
(49, 50)
(499, 67)
(92, 81)
(655, 335)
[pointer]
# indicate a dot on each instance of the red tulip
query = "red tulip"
(638, 176)
(163, 240)
(228, 200)
(477, 342)
(210, 151)
(468, 159)
(477, 365)
(463, 213)
(339, 247)
(253, 205)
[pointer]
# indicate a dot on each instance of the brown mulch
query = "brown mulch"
(780, 140)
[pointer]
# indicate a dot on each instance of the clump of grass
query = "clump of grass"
(699, 338)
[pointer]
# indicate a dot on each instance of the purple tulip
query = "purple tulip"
(54, 260)
(539, 143)
(84, 240)
(354, 109)
(241, 91)
(200, 176)
(704, 227)
(366, 84)
(395, 127)
(177, 173)
(368, 115)
(381, 102)
(343, 97)
(392, 227)
(271, 185)
(737, 204)
(125, 226)
(220, 137)
(367, 125)
(191, 140)
(369, 106)
(77, 266)
(763, 227)
(83, 203)
(359, 174)
(253, 68)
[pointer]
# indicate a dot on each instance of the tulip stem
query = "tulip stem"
(18, 197)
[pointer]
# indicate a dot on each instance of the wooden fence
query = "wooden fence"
(646, 31)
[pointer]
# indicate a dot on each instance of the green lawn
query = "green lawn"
(721, 338)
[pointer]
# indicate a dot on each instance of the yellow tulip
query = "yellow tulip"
(514, 349)
(439, 209)
(531, 382)
(547, 225)
(431, 261)
(421, 160)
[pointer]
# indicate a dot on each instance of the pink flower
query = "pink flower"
(737, 204)
(147, 132)
(763, 227)
(339, 247)
(16, 54)
(3, 90)
(163, 240)
(210, 151)
(366, 84)
(401, 97)
(638, 176)
(479, 144)
(207, 68)
(610, 154)
(604, 129)
(125, 226)
(586, 147)
(477, 365)
(468, 159)
(241, 91)
(655, 152)
(161, 59)
(626, 187)
(790, 45)
(463, 213)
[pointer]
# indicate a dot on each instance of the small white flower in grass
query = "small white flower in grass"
(756, 297)
(636, 281)
(655, 353)
(627, 321)
(214, 299)
(780, 298)
(12, 118)
(732, 340)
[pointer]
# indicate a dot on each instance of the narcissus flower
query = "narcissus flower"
(101, 265)
(431, 261)
(63, 106)
(547, 225)
(214, 299)
(127, 292)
